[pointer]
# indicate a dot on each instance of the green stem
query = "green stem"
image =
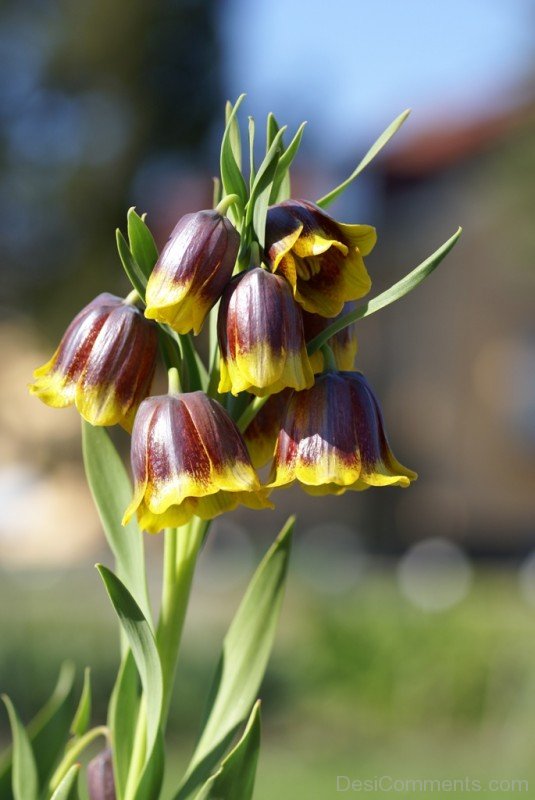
(329, 361)
(132, 298)
(223, 206)
(174, 381)
(181, 548)
(251, 411)
(74, 751)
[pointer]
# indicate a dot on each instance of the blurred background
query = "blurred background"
(407, 640)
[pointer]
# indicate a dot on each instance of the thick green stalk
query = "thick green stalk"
(181, 548)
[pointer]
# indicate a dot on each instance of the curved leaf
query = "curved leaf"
(243, 662)
(24, 779)
(142, 244)
(236, 777)
(67, 789)
(48, 732)
(396, 292)
(376, 147)
(231, 176)
(143, 646)
(112, 492)
(81, 720)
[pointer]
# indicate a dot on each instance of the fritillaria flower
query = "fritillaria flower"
(343, 344)
(188, 458)
(333, 439)
(321, 258)
(104, 364)
(260, 332)
(192, 271)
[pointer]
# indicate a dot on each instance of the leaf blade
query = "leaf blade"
(112, 492)
(142, 244)
(142, 643)
(236, 777)
(246, 650)
(374, 150)
(82, 716)
(24, 779)
(67, 788)
(395, 292)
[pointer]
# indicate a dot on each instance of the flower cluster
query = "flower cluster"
(269, 395)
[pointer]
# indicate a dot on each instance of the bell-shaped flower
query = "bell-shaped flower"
(333, 439)
(343, 344)
(104, 364)
(188, 458)
(321, 258)
(193, 269)
(261, 339)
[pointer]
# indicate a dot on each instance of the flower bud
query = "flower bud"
(192, 271)
(333, 439)
(260, 332)
(104, 364)
(321, 258)
(188, 458)
(100, 781)
(343, 344)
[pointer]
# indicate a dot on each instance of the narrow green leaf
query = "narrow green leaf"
(142, 244)
(82, 717)
(48, 732)
(112, 492)
(261, 190)
(236, 777)
(24, 779)
(234, 133)
(122, 715)
(141, 640)
(68, 788)
(243, 662)
(376, 147)
(217, 192)
(252, 171)
(281, 183)
(231, 176)
(396, 292)
(272, 129)
(130, 266)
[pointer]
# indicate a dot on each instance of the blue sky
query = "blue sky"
(349, 67)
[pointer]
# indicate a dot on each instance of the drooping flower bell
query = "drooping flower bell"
(104, 364)
(188, 458)
(321, 258)
(343, 344)
(193, 269)
(261, 339)
(333, 439)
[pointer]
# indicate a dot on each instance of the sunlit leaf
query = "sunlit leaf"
(242, 664)
(112, 492)
(142, 244)
(281, 183)
(396, 292)
(143, 646)
(122, 716)
(231, 176)
(130, 266)
(236, 777)
(376, 147)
